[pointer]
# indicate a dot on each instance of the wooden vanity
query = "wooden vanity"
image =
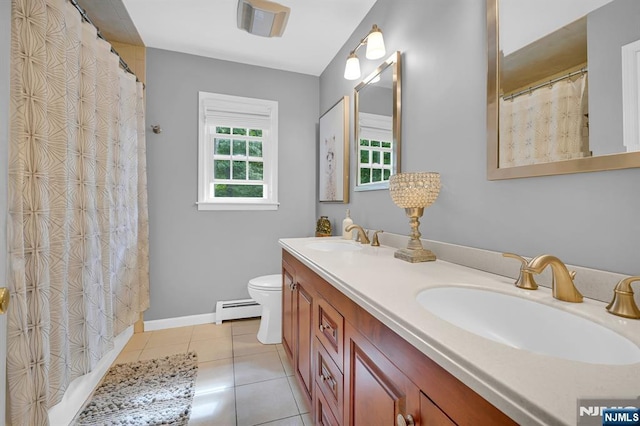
(354, 370)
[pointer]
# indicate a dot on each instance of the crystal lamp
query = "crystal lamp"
(413, 192)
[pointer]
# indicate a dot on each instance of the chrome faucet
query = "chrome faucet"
(562, 283)
(362, 237)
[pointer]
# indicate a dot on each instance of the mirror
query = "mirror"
(377, 126)
(533, 66)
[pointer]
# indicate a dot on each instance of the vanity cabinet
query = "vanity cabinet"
(358, 372)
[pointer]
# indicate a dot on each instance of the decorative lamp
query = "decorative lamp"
(414, 192)
(352, 69)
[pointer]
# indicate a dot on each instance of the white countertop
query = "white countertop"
(530, 388)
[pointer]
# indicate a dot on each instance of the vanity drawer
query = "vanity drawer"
(330, 331)
(329, 379)
(323, 415)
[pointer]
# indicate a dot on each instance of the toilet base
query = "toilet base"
(270, 331)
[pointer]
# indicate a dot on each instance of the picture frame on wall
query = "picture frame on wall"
(333, 153)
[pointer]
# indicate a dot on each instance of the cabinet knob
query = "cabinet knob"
(404, 421)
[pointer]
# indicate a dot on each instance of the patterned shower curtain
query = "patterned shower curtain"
(549, 124)
(77, 220)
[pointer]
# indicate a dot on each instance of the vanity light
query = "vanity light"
(375, 50)
(414, 192)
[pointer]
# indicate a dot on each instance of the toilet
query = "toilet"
(267, 291)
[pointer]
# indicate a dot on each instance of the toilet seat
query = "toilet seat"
(267, 283)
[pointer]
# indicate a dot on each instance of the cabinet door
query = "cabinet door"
(305, 332)
(288, 310)
(376, 392)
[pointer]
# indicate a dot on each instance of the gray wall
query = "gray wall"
(588, 219)
(198, 258)
(608, 29)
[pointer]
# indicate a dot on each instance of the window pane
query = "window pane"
(255, 132)
(223, 130)
(239, 147)
(365, 175)
(237, 131)
(239, 191)
(386, 144)
(387, 174)
(375, 143)
(387, 158)
(376, 175)
(364, 142)
(255, 170)
(239, 170)
(222, 146)
(375, 157)
(364, 156)
(255, 149)
(222, 169)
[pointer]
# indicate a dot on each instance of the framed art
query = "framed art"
(333, 152)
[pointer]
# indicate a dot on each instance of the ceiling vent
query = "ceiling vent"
(263, 18)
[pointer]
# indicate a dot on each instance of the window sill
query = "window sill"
(206, 206)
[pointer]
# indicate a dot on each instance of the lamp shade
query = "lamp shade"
(414, 190)
(352, 69)
(375, 44)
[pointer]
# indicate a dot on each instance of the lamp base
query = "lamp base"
(414, 256)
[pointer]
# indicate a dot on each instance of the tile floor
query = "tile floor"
(241, 382)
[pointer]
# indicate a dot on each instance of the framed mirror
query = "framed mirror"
(377, 116)
(576, 59)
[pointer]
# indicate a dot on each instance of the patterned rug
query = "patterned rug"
(154, 392)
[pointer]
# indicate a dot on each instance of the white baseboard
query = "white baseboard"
(179, 321)
(81, 388)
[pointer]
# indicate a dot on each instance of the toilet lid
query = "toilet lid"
(267, 282)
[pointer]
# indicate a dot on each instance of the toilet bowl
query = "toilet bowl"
(267, 291)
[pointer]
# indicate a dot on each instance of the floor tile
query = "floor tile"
(125, 357)
(245, 327)
(257, 368)
(289, 421)
(307, 419)
(137, 342)
(150, 353)
(248, 344)
(215, 408)
(212, 349)
(264, 402)
(214, 375)
(169, 337)
(301, 401)
(211, 331)
(286, 364)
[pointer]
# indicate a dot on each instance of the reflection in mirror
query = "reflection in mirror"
(555, 88)
(377, 126)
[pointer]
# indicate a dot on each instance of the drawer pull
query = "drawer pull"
(330, 329)
(404, 421)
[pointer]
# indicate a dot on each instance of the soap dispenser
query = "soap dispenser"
(347, 235)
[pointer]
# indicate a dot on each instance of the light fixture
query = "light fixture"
(414, 192)
(375, 50)
(262, 17)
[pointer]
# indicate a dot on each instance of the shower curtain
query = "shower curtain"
(77, 220)
(548, 124)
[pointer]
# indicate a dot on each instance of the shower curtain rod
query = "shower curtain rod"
(545, 84)
(84, 16)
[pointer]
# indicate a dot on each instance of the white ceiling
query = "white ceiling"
(316, 31)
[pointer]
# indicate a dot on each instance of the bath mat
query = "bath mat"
(154, 392)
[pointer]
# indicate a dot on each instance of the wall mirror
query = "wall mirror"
(568, 73)
(377, 126)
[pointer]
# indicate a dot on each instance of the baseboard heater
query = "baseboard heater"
(236, 309)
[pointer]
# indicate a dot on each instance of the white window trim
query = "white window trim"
(233, 105)
(373, 126)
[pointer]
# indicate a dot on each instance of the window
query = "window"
(238, 153)
(375, 149)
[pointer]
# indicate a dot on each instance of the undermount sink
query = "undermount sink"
(529, 325)
(334, 246)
